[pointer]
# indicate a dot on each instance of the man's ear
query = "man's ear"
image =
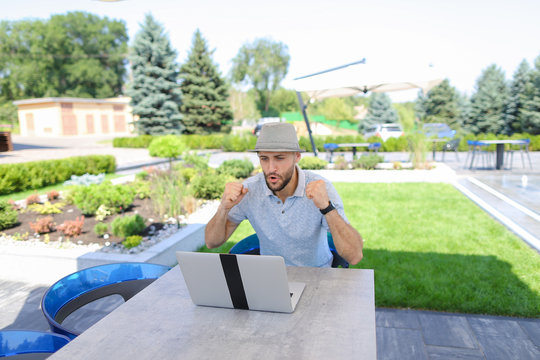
(297, 157)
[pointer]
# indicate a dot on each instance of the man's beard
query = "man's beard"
(286, 179)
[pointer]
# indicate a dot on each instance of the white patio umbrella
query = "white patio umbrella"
(365, 77)
(360, 77)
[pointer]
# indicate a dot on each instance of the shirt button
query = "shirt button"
(279, 202)
(283, 212)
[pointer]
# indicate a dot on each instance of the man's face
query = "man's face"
(278, 168)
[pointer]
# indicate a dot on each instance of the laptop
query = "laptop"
(249, 282)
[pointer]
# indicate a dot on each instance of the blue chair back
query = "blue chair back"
(374, 146)
(330, 146)
(30, 344)
(82, 287)
(250, 245)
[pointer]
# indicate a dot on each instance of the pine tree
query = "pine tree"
(488, 102)
(516, 100)
(529, 114)
(155, 94)
(380, 111)
(441, 105)
(205, 106)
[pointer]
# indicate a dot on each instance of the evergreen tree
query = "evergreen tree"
(380, 111)
(488, 102)
(440, 105)
(516, 100)
(464, 105)
(529, 114)
(205, 106)
(155, 94)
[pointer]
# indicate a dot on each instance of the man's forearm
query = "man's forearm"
(216, 232)
(348, 241)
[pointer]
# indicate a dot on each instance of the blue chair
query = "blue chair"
(524, 149)
(330, 148)
(85, 286)
(26, 344)
(374, 146)
(250, 245)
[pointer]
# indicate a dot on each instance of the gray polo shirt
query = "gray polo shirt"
(296, 229)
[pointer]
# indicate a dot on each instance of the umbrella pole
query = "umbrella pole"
(303, 108)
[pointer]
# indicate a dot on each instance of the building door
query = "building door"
(104, 124)
(30, 126)
(69, 124)
(119, 123)
(90, 124)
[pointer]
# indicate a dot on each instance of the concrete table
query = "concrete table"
(500, 149)
(334, 319)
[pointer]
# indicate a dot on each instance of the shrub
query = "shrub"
(102, 212)
(340, 163)
(209, 186)
(53, 195)
(312, 163)
(367, 162)
(72, 228)
(43, 225)
(32, 199)
(237, 168)
(167, 192)
(101, 229)
(85, 179)
(192, 160)
(132, 241)
(37, 174)
(168, 146)
(90, 198)
(141, 141)
(8, 215)
(141, 188)
(46, 208)
(124, 226)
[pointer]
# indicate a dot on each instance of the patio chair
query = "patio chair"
(330, 148)
(27, 344)
(250, 245)
(374, 147)
(477, 149)
(85, 286)
(451, 145)
(523, 149)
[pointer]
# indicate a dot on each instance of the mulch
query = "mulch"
(143, 207)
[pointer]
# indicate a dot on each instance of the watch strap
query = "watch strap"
(327, 209)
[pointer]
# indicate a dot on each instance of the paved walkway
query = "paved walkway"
(401, 334)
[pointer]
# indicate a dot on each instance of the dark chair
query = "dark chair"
(250, 245)
(451, 145)
(330, 148)
(85, 286)
(26, 344)
(523, 149)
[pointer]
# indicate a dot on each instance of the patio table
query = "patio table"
(499, 162)
(334, 319)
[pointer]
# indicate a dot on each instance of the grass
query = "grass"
(24, 194)
(432, 248)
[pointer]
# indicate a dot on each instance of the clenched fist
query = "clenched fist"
(233, 194)
(316, 191)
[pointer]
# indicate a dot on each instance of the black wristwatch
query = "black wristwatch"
(327, 209)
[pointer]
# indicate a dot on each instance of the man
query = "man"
(290, 209)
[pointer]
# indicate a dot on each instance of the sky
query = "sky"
(458, 38)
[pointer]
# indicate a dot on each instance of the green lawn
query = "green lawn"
(432, 248)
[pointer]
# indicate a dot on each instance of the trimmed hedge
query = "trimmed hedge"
(37, 174)
(241, 143)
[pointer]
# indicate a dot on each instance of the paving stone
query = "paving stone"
(447, 330)
(505, 348)
(532, 329)
(494, 327)
(400, 344)
(394, 318)
(453, 353)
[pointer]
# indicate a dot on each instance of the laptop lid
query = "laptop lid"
(247, 282)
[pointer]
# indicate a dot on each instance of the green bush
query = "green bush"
(101, 229)
(37, 174)
(237, 168)
(239, 143)
(8, 215)
(132, 241)
(312, 163)
(141, 141)
(209, 186)
(168, 146)
(89, 198)
(124, 226)
(367, 162)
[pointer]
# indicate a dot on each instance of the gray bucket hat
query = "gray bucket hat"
(277, 137)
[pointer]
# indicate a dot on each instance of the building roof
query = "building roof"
(115, 101)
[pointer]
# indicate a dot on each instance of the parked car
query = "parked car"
(384, 131)
(438, 130)
(263, 121)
